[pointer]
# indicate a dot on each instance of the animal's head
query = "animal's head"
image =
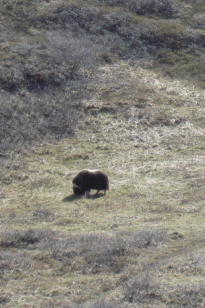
(77, 189)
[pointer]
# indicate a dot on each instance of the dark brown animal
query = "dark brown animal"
(86, 180)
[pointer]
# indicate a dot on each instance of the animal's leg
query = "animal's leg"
(97, 192)
(104, 192)
(87, 192)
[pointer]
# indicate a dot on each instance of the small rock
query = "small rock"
(114, 226)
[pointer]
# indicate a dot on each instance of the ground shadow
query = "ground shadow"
(95, 196)
(72, 198)
(76, 197)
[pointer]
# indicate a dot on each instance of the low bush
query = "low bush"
(164, 8)
(26, 119)
(49, 63)
(95, 252)
(142, 288)
(198, 21)
(98, 304)
(20, 239)
(147, 238)
(145, 288)
(187, 295)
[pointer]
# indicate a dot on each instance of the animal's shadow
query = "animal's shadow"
(71, 198)
(76, 197)
(95, 196)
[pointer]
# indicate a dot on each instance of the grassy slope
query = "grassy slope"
(147, 132)
(156, 174)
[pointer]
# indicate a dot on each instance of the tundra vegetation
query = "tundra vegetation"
(116, 85)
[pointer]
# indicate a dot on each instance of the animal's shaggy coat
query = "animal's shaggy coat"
(86, 180)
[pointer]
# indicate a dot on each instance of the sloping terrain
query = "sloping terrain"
(142, 244)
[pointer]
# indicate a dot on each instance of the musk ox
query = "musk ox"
(86, 180)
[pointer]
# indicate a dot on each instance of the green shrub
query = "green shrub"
(21, 26)
(171, 34)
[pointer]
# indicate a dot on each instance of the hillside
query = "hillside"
(116, 85)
